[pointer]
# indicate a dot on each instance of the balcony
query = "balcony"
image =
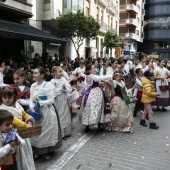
(103, 2)
(109, 28)
(124, 22)
(103, 26)
(129, 7)
(129, 36)
(112, 7)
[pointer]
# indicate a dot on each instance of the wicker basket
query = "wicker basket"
(30, 132)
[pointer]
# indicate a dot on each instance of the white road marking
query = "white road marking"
(70, 152)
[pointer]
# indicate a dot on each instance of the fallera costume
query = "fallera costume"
(25, 155)
(122, 118)
(164, 98)
(93, 105)
(50, 137)
(61, 104)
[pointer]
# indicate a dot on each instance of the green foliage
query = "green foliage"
(112, 40)
(76, 27)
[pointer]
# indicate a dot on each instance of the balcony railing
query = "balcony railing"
(112, 7)
(103, 25)
(111, 29)
(130, 7)
(104, 2)
(129, 36)
(129, 22)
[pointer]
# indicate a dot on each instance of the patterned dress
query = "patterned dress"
(120, 111)
(93, 105)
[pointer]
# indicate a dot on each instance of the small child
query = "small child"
(8, 151)
(61, 89)
(148, 96)
(139, 105)
(23, 91)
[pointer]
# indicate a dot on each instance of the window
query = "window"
(46, 6)
(101, 15)
(46, 1)
(77, 5)
(137, 32)
(138, 6)
(87, 8)
(97, 13)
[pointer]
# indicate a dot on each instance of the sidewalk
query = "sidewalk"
(145, 149)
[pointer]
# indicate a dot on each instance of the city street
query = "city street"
(145, 149)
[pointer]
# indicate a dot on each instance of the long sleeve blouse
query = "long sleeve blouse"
(7, 148)
(37, 91)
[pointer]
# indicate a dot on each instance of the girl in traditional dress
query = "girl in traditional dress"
(139, 105)
(23, 91)
(161, 73)
(94, 106)
(50, 137)
(61, 89)
(9, 98)
(80, 80)
(120, 110)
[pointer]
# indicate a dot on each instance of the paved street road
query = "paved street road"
(145, 149)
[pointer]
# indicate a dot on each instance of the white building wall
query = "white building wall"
(36, 21)
(96, 47)
(52, 13)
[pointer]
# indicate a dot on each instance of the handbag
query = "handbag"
(164, 87)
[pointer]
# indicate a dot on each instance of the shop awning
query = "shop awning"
(23, 31)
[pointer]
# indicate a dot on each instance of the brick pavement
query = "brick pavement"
(77, 132)
(145, 149)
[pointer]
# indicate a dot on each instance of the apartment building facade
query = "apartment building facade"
(131, 24)
(106, 13)
(157, 28)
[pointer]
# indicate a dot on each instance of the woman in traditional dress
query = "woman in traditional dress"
(126, 74)
(107, 87)
(161, 73)
(23, 91)
(94, 106)
(50, 137)
(9, 97)
(61, 89)
(120, 110)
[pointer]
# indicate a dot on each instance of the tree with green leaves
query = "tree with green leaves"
(111, 40)
(76, 27)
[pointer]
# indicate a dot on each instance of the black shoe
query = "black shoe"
(158, 109)
(87, 129)
(163, 109)
(142, 122)
(153, 126)
(100, 129)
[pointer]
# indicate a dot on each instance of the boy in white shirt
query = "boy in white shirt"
(8, 150)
